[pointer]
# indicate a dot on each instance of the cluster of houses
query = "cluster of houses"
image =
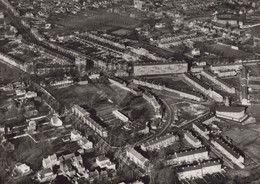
(71, 164)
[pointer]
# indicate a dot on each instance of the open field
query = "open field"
(8, 74)
(227, 51)
(96, 21)
(247, 138)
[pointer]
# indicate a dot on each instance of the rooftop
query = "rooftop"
(230, 109)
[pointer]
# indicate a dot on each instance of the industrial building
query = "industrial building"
(231, 113)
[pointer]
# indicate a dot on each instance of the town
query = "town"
(129, 91)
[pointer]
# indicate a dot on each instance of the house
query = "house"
(188, 156)
(46, 175)
(20, 92)
(66, 168)
(231, 113)
(50, 161)
(75, 135)
(84, 143)
(104, 162)
(30, 94)
(23, 169)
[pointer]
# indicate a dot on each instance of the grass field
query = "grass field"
(96, 21)
(227, 51)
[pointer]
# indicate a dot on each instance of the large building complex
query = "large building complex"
(159, 68)
(232, 113)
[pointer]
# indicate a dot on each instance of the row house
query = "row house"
(194, 141)
(213, 78)
(204, 88)
(96, 126)
(138, 159)
(160, 142)
(229, 151)
(198, 170)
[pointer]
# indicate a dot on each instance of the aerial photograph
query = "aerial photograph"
(130, 91)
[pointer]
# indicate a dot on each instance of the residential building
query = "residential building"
(160, 142)
(75, 135)
(198, 170)
(213, 78)
(228, 150)
(138, 159)
(194, 141)
(205, 89)
(155, 68)
(244, 97)
(79, 111)
(92, 121)
(226, 73)
(104, 162)
(63, 83)
(50, 161)
(120, 116)
(152, 100)
(232, 113)
(23, 169)
(200, 124)
(46, 175)
(201, 129)
(84, 143)
(188, 156)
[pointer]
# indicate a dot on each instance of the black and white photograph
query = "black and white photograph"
(129, 91)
